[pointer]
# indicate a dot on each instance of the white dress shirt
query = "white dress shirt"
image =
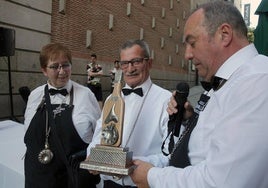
(228, 148)
(145, 125)
(85, 113)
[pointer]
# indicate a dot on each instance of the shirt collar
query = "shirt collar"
(235, 61)
(145, 85)
(68, 86)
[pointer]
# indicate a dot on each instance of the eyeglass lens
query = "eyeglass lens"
(133, 62)
(58, 66)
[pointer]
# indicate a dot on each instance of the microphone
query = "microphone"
(182, 92)
(175, 120)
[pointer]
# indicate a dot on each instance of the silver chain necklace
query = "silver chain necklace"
(46, 155)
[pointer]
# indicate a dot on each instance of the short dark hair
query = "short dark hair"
(53, 51)
(93, 55)
(219, 12)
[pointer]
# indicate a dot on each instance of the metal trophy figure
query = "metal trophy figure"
(108, 157)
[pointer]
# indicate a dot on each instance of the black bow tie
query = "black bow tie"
(63, 92)
(215, 84)
(206, 85)
(127, 91)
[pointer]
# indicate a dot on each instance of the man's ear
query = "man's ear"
(150, 62)
(226, 32)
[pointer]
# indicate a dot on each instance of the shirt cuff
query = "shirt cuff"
(152, 176)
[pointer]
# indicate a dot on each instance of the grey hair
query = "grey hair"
(219, 12)
(144, 46)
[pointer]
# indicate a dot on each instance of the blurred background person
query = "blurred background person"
(94, 71)
(112, 73)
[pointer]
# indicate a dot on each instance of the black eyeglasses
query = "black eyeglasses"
(57, 66)
(134, 62)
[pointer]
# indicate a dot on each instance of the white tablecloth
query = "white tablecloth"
(12, 150)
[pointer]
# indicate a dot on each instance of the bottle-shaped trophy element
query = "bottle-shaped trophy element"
(113, 115)
(108, 157)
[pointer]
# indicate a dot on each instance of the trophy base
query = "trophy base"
(113, 161)
(106, 169)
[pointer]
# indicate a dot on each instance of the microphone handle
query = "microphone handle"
(181, 99)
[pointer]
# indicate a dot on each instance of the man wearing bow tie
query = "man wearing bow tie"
(60, 119)
(145, 120)
(227, 148)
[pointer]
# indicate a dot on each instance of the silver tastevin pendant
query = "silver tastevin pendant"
(46, 155)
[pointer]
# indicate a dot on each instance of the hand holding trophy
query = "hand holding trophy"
(108, 157)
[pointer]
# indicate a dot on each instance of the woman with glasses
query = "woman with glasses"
(60, 119)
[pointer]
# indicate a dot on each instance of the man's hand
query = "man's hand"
(172, 107)
(139, 175)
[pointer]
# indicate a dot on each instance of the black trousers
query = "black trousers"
(97, 90)
(111, 184)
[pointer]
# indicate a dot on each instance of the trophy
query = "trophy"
(108, 157)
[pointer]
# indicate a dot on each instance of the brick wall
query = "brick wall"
(81, 15)
(39, 22)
